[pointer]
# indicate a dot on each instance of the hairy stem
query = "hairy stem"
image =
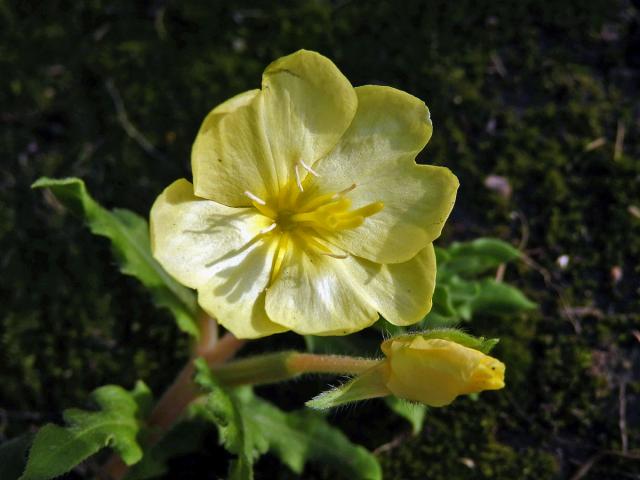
(342, 364)
(277, 367)
(260, 369)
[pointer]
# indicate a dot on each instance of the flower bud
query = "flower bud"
(435, 371)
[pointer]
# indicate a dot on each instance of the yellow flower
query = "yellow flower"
(435, 371)
(308, 211)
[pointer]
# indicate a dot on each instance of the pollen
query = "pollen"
(306, 221)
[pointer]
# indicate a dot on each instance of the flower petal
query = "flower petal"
(253, 143)
(377, 155)
(235, 294)
(400, 292)
(313, 295)
(228, 157)
(188, 234)
(442, 367)
(308, 105)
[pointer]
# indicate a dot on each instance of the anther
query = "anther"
(308, 168)
(346, 190)
(268, 229)
(298, 182)
(255, 198)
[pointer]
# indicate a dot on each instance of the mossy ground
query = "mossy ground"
(536, 92)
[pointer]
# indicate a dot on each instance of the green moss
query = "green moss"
(461, 443)
(517, 89)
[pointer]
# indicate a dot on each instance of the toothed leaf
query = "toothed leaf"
(129, 235)
(56, 450)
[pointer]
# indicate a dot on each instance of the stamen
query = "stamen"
(260, 205)
(308, 168)
(368, 210)
(346, 190)
(298, 182)
(268, 229)
(288, 196)
(314, 203)
(350, 221)
(303, 221)
(255, 198)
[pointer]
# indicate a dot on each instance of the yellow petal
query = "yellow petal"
(308, 105)
(235, 294)
(436, 371)
(312, 294)
(255, 143)
(230, 154)
(400, 292)
(189, 234)
(377, 155)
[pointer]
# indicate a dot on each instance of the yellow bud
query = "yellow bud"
(435, 371)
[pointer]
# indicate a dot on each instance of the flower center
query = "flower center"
(318, 215)
(308, 221)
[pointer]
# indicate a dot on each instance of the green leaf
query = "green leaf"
(301, 436)
(221, 409)
(434, 320)
(56, 450)
(250, 426)
(369, 384)
(414, 413)
(462, 293)
(485, 345)
(442, 302)
(443, 312)
(13, 456)
(129, 235)
(499, 298)
(478, 256)
(471, 297)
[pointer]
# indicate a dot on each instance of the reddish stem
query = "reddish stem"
(179, 395)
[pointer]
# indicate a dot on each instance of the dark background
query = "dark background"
(544, 94)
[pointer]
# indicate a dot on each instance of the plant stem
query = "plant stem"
(181, 392)
(313, 363)
(255, 370)
(277, 367)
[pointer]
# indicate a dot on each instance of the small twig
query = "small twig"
(500, 272)
(395, 443)
(158, 22)
(524, 229)
(594, 144)
(565, 308)
(586, 466)
(578, 312)
(622, 416)
(125, 123)
(498, 64)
